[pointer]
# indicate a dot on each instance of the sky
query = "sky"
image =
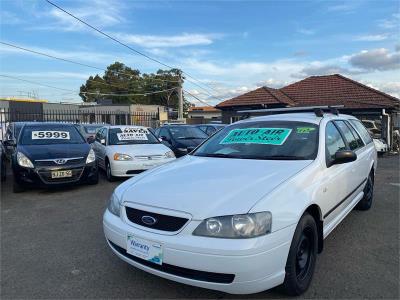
(229, 47)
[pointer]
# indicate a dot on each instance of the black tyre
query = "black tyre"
(18, 187)
(366, 202)
(302, 257)
(109, 175)
(94, 179)
(3, 171)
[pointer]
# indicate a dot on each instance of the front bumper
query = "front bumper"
(41, 176)
(133, 167)
(234, 266)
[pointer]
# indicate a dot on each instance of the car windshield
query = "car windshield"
(187, 133)
(268, 140)
(131, 136)
(50, 134)
(91, 129)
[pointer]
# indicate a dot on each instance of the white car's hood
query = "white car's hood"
(139, 149)
(206, 187)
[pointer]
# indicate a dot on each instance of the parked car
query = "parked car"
(248, 209)
(50, 154)
(381, 146)
(181, 138)
(3, 163)
(89, 130)
(128, 150)
(210, 129)
(374, 127)
(11, 136)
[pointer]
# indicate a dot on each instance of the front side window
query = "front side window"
(333, 141)
(362, 131)
(267, 140)
(348, 135)
(91, 129)
(50, 134)
(131, 136)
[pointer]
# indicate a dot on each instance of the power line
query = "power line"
(88, 93)
(127, 46)
(75, 62)
(202, 101)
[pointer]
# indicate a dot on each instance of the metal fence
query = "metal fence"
(148, 119)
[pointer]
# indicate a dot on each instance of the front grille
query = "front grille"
(149, 157)
(164, 222)
(45, 175)
(51, 163)
(178, 271)
(130, 172)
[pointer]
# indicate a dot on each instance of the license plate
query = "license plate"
(144, 249)
(61, 174)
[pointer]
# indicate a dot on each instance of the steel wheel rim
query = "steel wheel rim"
(304, 253)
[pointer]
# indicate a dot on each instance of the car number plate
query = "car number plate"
(61, 174)
(144, 249)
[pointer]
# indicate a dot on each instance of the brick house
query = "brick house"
(358, 99)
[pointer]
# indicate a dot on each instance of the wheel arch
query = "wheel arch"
(315, 211)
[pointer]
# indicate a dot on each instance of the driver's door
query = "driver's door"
(336, 183)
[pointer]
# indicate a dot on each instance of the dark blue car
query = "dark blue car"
(50, 154)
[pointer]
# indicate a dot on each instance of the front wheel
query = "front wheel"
(302, 257)
(109, 174)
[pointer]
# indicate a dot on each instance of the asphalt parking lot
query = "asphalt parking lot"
(52, 246)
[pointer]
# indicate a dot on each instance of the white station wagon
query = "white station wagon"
(127, 150)
(249, 209)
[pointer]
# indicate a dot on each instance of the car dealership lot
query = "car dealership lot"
(52, 246)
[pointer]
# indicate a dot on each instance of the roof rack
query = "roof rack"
(318, 110)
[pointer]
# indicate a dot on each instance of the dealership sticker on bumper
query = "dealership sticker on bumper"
(144, 249)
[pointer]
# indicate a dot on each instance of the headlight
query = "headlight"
(91, 157)
(237, 226)
(114, 206)
(23, 161)
(120, 156)
(170, 154)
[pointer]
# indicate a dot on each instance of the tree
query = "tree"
(119, 79)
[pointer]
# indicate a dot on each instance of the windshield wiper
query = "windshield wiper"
(283, 157)
(188, 138)
(217, 155)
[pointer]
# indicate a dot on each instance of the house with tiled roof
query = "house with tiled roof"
(203, 114)
(358, 99)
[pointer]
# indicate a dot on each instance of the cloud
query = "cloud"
(376, 59)
(9, 18)
(390, 23)
(322, 69)
(306, 31)
(160, 41)
(345, 7)
(96, 12)
(371, 37)
(391, 88)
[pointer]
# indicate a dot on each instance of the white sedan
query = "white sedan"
(250, 208)
(129, 150)
(381, 146)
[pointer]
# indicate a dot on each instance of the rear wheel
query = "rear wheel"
(109, 174)
(302, 257)
(366, 202)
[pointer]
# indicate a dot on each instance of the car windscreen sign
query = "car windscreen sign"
(268, 136)
(133, 133)
(50, 135)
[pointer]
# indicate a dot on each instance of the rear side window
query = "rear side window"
(333, 141)
(348, 135)
(362, 131)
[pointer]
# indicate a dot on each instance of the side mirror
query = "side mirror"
(344, 156)
(103, 141)
(90, 139)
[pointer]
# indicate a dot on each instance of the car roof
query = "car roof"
(124, 126)
(309, 117)
(48, 123)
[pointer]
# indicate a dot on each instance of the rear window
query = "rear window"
(50, 134)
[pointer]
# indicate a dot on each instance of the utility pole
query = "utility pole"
(180, 96)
